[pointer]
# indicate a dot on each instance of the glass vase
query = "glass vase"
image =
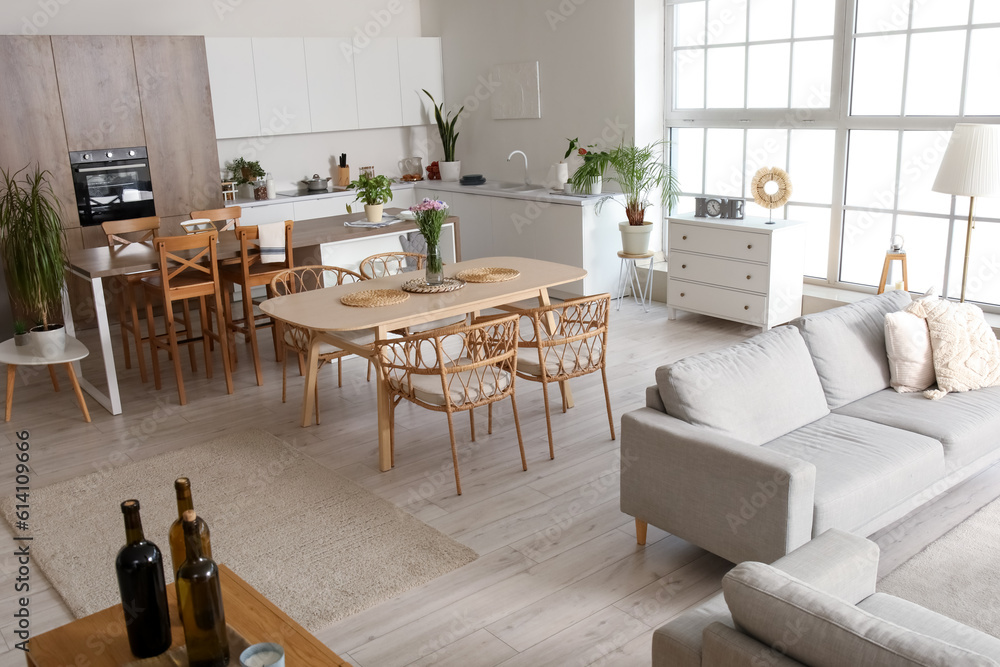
(435, 265)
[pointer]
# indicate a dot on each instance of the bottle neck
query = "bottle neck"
(184, 503)
(133, 526)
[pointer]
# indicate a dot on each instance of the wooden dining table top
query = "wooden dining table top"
(322, 309)
(101, 262)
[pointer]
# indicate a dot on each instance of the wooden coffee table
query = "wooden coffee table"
(99, 639)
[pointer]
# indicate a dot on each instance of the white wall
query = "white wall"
(288, 157)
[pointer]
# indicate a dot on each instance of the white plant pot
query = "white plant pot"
(374, 212)
(48, 343)
(635, 238)
(450, 171)
(594, 188)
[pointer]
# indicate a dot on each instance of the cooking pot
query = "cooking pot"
(316, 183)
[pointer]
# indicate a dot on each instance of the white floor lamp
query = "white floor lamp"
(970, 168)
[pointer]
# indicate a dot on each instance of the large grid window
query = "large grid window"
(857, 100)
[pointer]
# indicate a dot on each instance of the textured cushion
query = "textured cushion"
(908, 346)
(820, 630)
(966, 351)
(360, 337)
(920, 619)
(862, 468)
(753, 391)
(557, 362)
(847, 345)
(967, 425)
(464, 386)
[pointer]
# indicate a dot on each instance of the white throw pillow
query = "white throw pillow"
(908, 346)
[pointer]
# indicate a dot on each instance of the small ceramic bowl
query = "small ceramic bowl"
(263, 655)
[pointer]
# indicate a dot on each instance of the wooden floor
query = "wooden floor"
(559, 580)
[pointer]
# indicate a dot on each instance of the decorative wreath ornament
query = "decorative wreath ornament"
(767, 175)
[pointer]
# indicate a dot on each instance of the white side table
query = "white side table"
(15, 356)
(629, 272)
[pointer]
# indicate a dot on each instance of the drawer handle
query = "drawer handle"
(684, 238)
(746, 307)
(749, 246)
(684, 266)
(748, 277)
(682, 293)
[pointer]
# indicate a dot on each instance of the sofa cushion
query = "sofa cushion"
(820, 630)
(966, 424)
(847, 345)
(862, 468)
(920, 619)
(908, 346)
(753, 391)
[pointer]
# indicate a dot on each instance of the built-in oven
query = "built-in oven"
(112, 184)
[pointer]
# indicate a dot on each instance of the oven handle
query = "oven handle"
(84, 170)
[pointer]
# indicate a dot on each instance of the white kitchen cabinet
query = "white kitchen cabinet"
(282, 88)
(265, 213)
(420, 68)
(320, 208)
(475, 220)
(376, 75)
(333, 98)
(234, 86)
(348, 254)
(746, 271)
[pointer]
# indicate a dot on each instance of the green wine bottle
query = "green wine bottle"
(184, 503)
(199, 600)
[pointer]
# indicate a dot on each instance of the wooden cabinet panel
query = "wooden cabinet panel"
(234, 86)
(180, 128)
(99, 91)
(420, 67)
(333, 99)
(282, 93)
(32, 131)
(376, 73)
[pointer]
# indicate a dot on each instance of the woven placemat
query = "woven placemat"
(421, 286)
(488, 274)
(373, 298)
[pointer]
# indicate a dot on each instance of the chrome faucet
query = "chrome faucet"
(526, 181)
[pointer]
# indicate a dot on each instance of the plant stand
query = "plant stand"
(628, 271)
(15, 356)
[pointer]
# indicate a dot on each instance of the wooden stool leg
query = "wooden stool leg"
(189, 333)
(517, 427)
(78, 392)
(906, 280)
(223, 341)
(11, 374)
(607, 399)
(489, 419)
(251, 332)
(206, 335)
(154, 351)
(52, 375)
(885, 275)
(122, 326)
(175, 351)
(472, 424)
(640, 531)
(454, 453)
(548, 419)
(137, 333)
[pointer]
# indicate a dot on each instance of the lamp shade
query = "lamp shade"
(971, 164)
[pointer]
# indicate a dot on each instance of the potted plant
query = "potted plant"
(643, 176)
(33, 248)
(589, 176)
(429, 216)
(374, 191)
(248, 172)
(450, 168)
(20, 334)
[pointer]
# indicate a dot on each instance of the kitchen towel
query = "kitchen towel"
(271, 239)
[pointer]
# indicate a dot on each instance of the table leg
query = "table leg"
(550, 325)
(52, 375)
(78, 392)
(112, 401)
(11, 374)
(309, 395)
(384, 416)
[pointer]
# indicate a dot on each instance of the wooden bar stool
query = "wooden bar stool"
(891, 257)
(224, 218)
(248, 273)
(188, 270)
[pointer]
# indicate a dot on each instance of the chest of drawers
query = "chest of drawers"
(741, 270)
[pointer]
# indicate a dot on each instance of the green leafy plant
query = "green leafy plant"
(32, 243)
(20, 327)
(446, 127)
(243, 171)
(373, 190)
(642, 174)
(572, 146)
(595, 163)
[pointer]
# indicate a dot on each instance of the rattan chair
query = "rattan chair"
(577, 346)
(450, 370)
(391, 263)
(296, 339)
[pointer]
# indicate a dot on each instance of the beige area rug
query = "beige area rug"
(958, 574)
(316, 544)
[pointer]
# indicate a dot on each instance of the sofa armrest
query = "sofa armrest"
(736, 500)
(653, 399)
(722, 645)
(838, 563)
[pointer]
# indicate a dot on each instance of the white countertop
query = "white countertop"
(488, 189)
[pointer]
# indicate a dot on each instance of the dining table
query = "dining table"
(322, 313)
(95, 264)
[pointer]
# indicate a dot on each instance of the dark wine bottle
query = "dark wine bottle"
(139, 566)
(199, 599)
(184, 503)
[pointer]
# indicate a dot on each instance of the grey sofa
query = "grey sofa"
(817, 606)
(754, 449)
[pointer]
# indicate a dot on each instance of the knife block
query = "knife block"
(344, 176)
